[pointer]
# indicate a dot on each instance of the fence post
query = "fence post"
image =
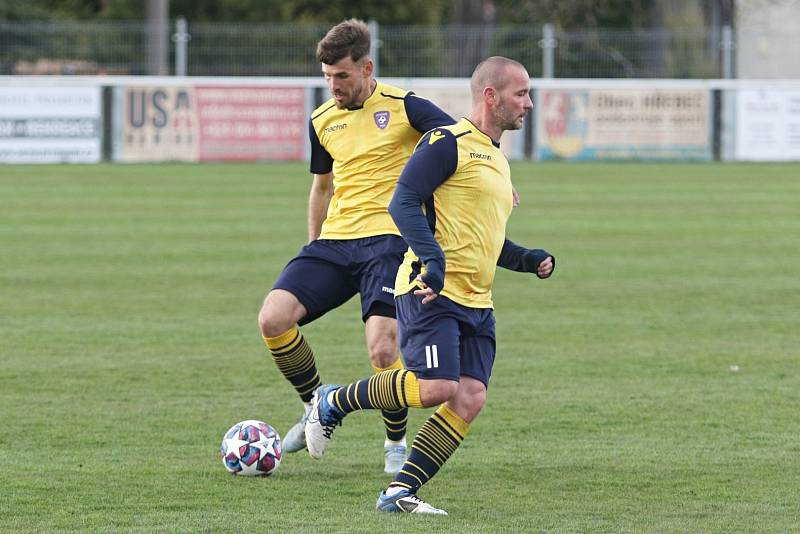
(548, 46)
(727, 45)
(181, 39)
(726, 123)
(374, 45)
(157, 37)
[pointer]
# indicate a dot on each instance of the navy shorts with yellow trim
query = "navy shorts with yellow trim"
(329, 272)
(443, 339)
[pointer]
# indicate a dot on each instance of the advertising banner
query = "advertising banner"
(187, 123)
(50, 125)
(155, 124)
(251, 123)
(622, 124)
(768, 125)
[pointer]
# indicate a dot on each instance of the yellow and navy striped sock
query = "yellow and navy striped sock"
(388, 390)
(395, 420)
(436, 441)
(295, 360)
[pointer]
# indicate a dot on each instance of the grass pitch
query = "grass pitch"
(652, 385)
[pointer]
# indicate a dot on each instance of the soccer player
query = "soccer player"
(451, 204)
(360, 140)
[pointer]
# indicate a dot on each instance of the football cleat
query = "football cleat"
(405, 502)
(295, 439)
(394, 456)
(322, 420)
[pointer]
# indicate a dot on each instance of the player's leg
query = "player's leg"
(278, 318)
(376, 269)
(429, 340)
(309, 286)
(440, 436)
(381, 336)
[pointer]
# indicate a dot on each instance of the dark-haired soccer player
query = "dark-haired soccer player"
(360, 140)
(451, 205)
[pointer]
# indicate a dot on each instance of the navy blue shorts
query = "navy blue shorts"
(443, 339)
(328, 272)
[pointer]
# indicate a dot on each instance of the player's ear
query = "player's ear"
(489, 95)
(368, 67)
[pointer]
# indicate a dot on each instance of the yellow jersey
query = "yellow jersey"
(468, 181)
(366, 149)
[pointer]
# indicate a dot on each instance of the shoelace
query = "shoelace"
(327, 430)
(416, 500)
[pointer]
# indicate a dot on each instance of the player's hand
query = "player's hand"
(427, 293)
(539, 262)
(546, 267)
(515, 196)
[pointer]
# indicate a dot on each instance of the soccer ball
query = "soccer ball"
(251, 448)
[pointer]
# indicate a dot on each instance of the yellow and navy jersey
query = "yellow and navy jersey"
(366, 149)
(464, 180)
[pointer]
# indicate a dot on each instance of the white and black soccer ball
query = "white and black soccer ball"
(251, 448)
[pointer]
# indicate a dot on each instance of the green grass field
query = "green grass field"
(129, 344)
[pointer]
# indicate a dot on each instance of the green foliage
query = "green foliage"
(129, 345)
(576, 14)
(316, 11)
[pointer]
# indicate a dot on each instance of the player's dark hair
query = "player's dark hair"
(348, 38)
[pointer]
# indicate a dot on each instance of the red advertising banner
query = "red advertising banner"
(250, 123)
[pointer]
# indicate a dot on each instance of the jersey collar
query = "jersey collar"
(374, 89)
(495, 143)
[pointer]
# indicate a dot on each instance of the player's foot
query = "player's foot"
(394, 456)
(295, 439)
(322, 419)
(406, 502)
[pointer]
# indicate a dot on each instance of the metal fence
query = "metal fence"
(233, 49)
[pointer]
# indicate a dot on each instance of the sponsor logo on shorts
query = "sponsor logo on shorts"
(388, 290)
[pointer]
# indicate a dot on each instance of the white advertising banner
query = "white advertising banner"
(768, 125)
(624, 124)
(50, 125)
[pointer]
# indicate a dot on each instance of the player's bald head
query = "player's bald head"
(492, 72)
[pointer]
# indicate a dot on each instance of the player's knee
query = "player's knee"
(268, 326)
(471, 406)
(383, 354)
(436, 392)
(469, 400)
(272, 321)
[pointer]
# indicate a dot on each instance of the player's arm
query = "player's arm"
(524, 260)
(322, 187)
(318, 200)
(433, 161)
(424, 115)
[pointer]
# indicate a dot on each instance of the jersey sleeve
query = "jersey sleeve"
(424, 115)
(434, 159)
(518, 258)
(321, 160)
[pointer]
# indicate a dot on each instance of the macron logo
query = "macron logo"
(388, 290)
(435, 136)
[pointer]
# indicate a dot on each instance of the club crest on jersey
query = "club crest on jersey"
(381, 119)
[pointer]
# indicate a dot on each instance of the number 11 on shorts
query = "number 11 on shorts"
(431, 356)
